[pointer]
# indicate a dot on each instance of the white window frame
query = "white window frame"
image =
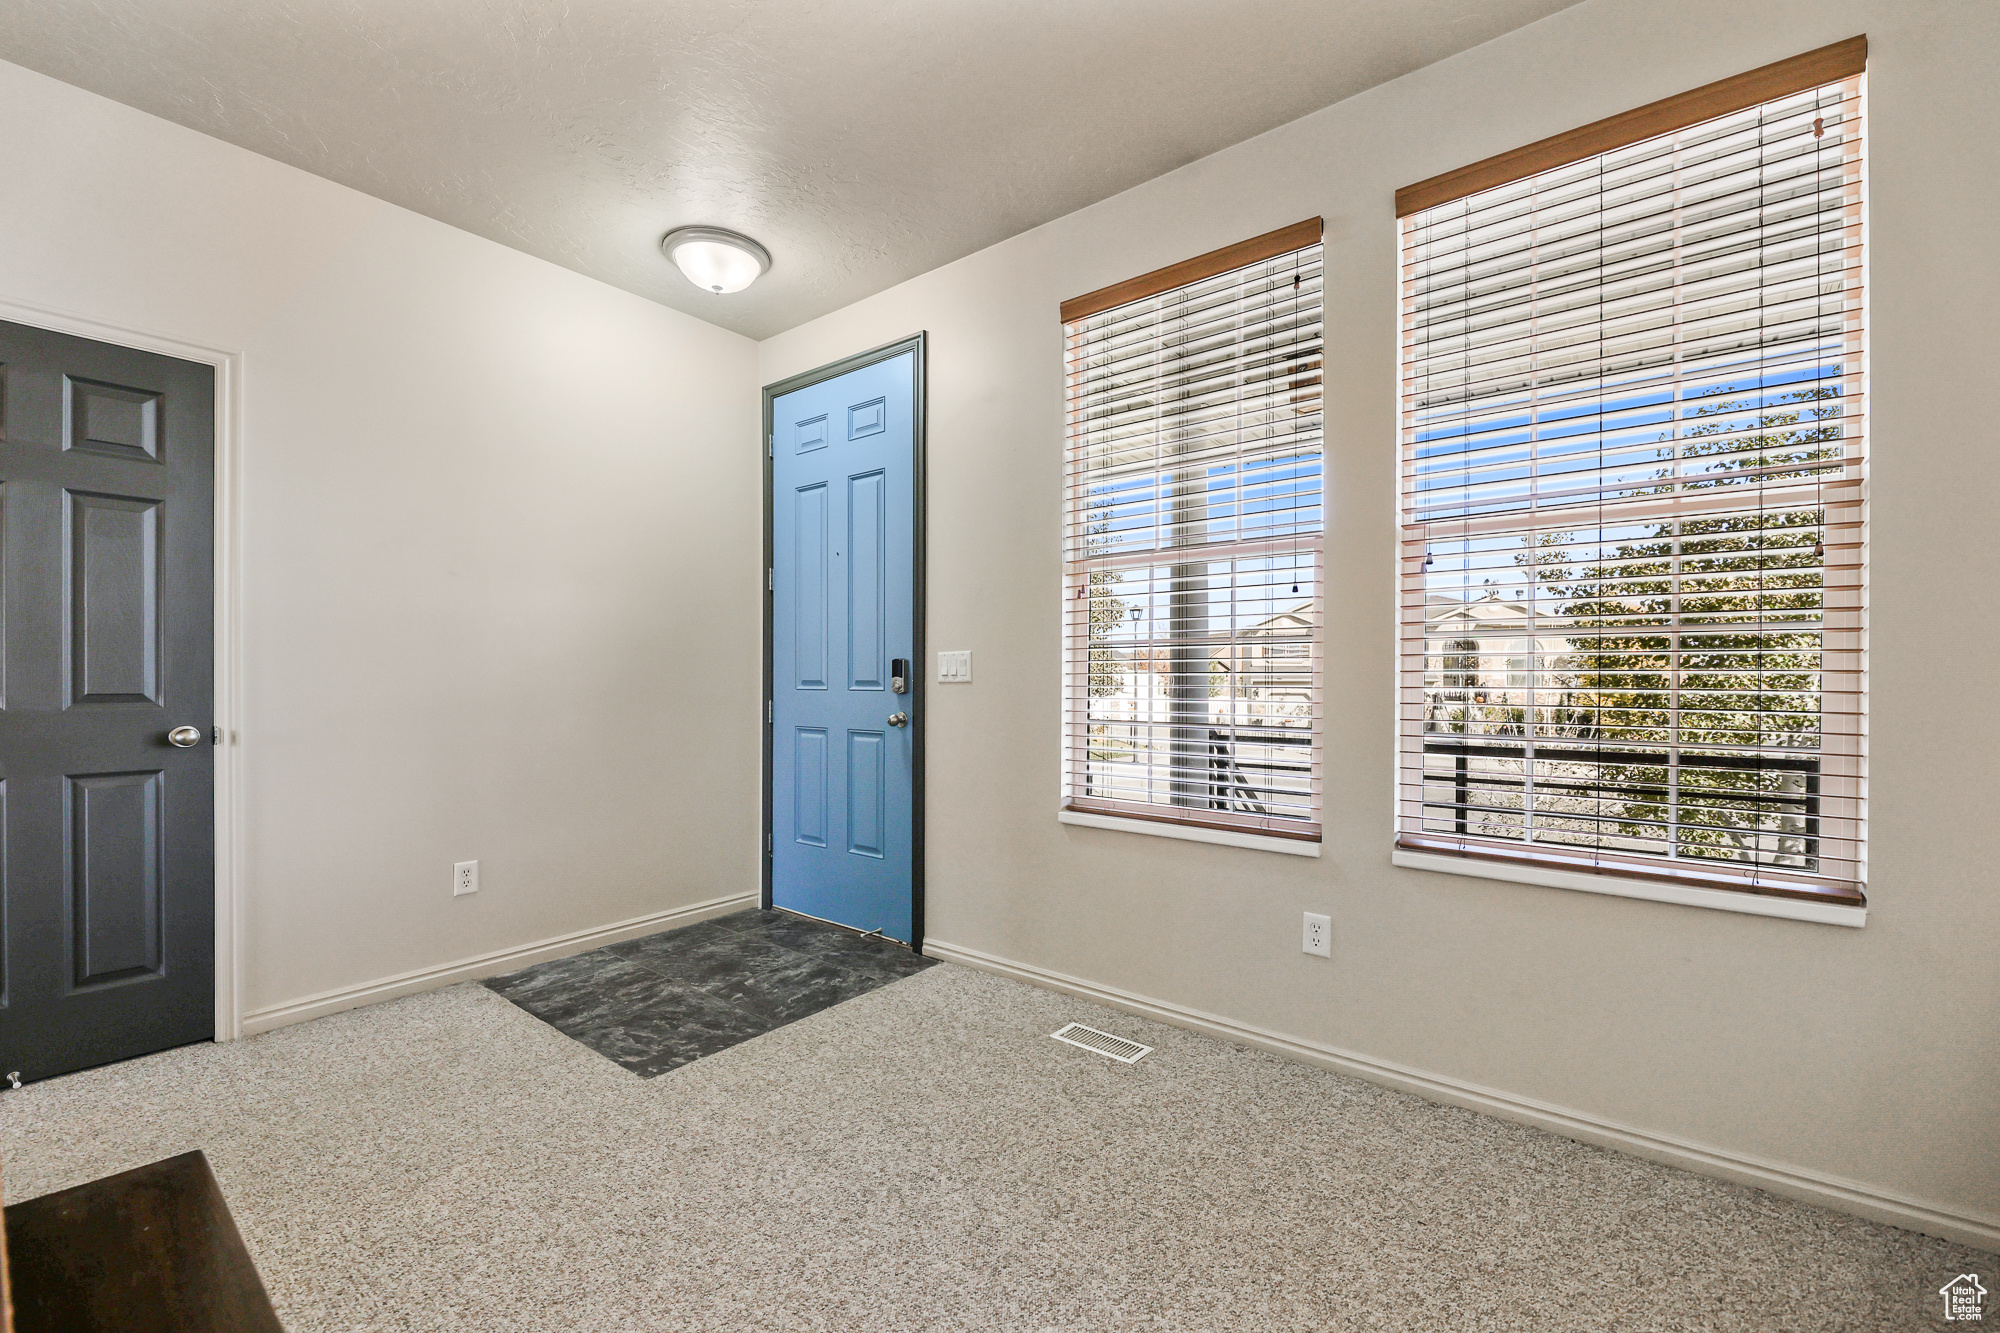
(1279, 245)
(1841, 62)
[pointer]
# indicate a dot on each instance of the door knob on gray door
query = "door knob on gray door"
(899, 719)
(184, 737)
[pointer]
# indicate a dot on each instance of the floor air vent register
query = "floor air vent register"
(1119, 1049)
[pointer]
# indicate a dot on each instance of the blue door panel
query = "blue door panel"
(866, 781)
(867, 580)
(809, 792)
(866, 419)
(843, 581)
(810, 435)
(810, 556)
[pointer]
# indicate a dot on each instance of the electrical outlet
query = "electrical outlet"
(955, 668)
(464, 878)
(1319, 935)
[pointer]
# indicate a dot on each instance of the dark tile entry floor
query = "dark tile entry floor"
(656, 1003)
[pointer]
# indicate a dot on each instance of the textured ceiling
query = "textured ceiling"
(862, 143)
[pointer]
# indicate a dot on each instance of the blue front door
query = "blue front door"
(842, 617)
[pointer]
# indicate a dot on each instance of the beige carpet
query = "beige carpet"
(924, 1157)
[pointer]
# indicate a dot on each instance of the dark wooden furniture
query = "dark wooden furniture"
(148, 1249)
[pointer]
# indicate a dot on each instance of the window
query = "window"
(1191, 542)
(1632, 430)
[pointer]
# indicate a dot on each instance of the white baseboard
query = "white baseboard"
(487, 965)
(1847, 1196)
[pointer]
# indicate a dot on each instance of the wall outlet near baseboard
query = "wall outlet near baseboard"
(1319, 935)
(955, 668)
(464, 878)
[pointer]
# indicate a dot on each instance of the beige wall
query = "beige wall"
(499, 520)
(1872, 1054)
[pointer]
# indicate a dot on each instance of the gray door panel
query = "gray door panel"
(106, 644)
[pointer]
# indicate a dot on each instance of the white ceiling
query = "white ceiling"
(862, 143)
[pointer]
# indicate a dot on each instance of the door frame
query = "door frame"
(228, 647)
(915, 343)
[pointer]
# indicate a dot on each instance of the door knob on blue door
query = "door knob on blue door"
(899, 719)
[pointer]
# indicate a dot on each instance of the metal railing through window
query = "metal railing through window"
(1751, 809)
(1250, 772)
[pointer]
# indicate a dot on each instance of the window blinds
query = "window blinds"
(1632, 458)
(1192, 548)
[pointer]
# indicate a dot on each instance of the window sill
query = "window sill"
(1220, 837)
(1619, 886)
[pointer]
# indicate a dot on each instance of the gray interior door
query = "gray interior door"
(107, 896)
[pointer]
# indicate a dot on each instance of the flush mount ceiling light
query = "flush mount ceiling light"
(718, 260)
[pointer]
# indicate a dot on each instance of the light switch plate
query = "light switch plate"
(955, 668)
